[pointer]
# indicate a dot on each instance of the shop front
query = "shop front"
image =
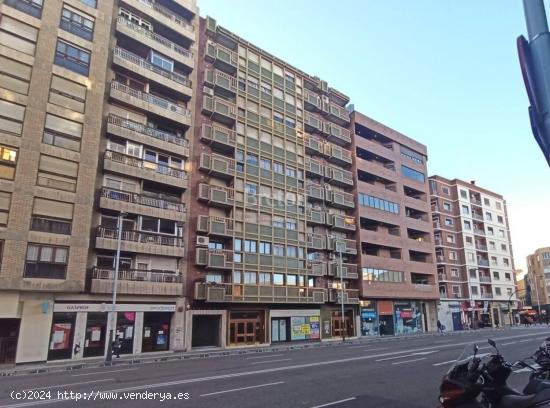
(369, 318)
(391, 317)
(246, 327)
(408, 317)
(295, 325)
(81, 330)
(334, 326)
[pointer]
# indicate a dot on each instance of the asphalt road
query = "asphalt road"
(404, 372)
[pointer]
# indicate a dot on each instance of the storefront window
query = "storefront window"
(369, 318)
(61, 337)
(156, 331)
(96, 333)
(125, 331)
(408, 317)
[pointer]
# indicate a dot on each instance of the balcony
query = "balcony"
(222, 57)
(338, 176)
(317, 268)
(316, 241)
(346, 246)
(424, 287)
(447, 277)
(351, 296)
(231, 292)
(222, 83)
(164, 16)
(136, 282)
(314, 168)
(337, 134)
(477, 216)
(313, 123)
(217, 196)
(485, 279)
(143, 134)
(315, 192)
(217, 165)
(26, 6)
(214, 258)
(150, 103)
(340, 199)
(155, 41)
(312, 102)
(314, 146)
(219, 138)
(136, 167)
(475, 201)
(140, 242)
(478, 231)
(483, 262)
(215, 226)
(134, 63)
(338, 114)
(349, 270)
(481, 247)
(124, 201)
(486, 295)
(316, 217)
(338, 155)
(219, 110)
(341, 222)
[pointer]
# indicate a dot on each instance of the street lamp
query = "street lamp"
(112, 331)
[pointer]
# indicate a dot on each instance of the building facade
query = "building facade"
(474, 254)
(96, 106)
(272, 207)
(398, 289)
(538, 276)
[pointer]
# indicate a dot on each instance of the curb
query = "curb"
(180, 356)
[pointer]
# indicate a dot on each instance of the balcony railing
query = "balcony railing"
(483, 262)
(137, 60)
(485, 279)
(168, 14)
(144, 164)
(479, 231)
(481, 247)
(487, 295)
(136, 275)
(475, 201)
(152, 99)
(477, 216)
(146, 130)
(26, 6)
(139, 199)
(155, 37)
(140, 237)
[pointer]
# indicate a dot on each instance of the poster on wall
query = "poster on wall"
(297, 324)
(60, 336)
(315, 330)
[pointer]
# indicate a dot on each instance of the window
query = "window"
(467, 225)
(278, 222)
(463, 194)
(91, 3)
(161, 61)
(377, 203)
(265, 248)
(290, 171)
(5, 202)
(465, 210)
(382, 275)
(237, 277)
(501, 233)
(471, 257)
(214, 278)
(494, 260)
(451, 239)
(264, 278)
(73, 58)
(265, 164)
(487, 202)
(62, 132)
(498, 291)
(500, 219)
(489, 216)
(469, 241)
(503, 247)
(278, 279)
(18, 35)
(498, 205)
(473, 273)
(449, 222)
(250, 246)
(412, 155)
(456, 290)
(291, 224)
(492, 245)
(474, 290)
(251, 159)
(52, 216)
(76, 23)
(506, 261)
(8, 160)
(496, 275)
(291, 280)
(291, 251)
(251, 189)
(454, 272)
(508, 291)
(447, 206)
(31, 7)
(67, 94)
(250, 278)
(11, 115)
(278, 250)
(45, 261)
(135, 19)
(278, 168)
(445, 190)
(452, 255)
(490, 231)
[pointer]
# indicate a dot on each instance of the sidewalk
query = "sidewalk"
(216, 352)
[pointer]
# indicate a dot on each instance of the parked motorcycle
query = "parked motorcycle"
(472, 383)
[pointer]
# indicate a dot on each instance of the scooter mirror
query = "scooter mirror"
(476, 349)
(492, 343)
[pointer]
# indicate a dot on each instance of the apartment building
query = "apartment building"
(272, 207)
(538, 277)
(474, 255)
(399, 289)
(96, 108)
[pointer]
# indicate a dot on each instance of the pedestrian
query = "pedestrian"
(117, 345)
(381, 328)
(439, 327)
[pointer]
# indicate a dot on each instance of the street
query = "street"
(375, 374)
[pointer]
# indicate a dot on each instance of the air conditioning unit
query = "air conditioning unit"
(202, 241)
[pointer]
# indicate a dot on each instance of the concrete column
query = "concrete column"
(177, 335)
(34, 332)
(138, 333)
(79, 334)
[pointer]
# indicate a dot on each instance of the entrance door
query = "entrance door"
(246, 328)
(206, 331)
(387, 327)
(457, 324)
(9, 332)
(279, 330)
(337, 325)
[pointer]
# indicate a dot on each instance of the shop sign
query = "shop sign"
(368, 314)
(104, 307)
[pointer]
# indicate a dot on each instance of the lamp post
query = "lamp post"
(112, 331)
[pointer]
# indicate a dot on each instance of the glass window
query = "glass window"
(264, 278)
(250, 246)
(278, 168)
(265, 164)
(278, 250)
(76, 23)
(73, 58)
(291, 280)
(413, 174)
(278, 279)
(265, 248)
(250, 278)
(161, 61)
(43, 261)
(237, 277)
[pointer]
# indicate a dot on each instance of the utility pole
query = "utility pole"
(342, 292)
(534, 59)
(112, 332)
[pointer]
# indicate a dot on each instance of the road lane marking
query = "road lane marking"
(442, 341)
(393, 358)
(270, 356)
(266, 370)
(241, 389)
(444, 362)
(104, 372)
(334, 403)
(409, 361)
(68, 385)
(271, 361)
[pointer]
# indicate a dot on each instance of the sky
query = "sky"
(445, 73)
